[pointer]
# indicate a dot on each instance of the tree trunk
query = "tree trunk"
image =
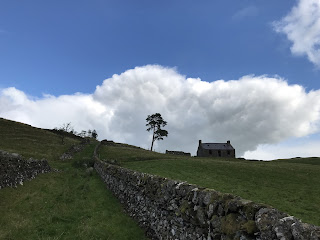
(152, 140)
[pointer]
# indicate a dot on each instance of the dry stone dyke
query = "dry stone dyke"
(14, 169)
(178, 153)
(169, 209)
(74, 149)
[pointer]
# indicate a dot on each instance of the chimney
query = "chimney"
(200, 142)
(228, 142)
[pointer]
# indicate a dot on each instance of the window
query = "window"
(228, 152)
(210, 152)
(219, 153)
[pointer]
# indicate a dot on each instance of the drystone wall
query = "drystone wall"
(74, 149)
(169, 209)
(178, 153)
(15, 170)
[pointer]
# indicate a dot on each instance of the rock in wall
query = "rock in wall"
(15, 170)
(169, 209)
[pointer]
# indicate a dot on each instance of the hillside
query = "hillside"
(32, 142)
(289, 185)
(72, 203)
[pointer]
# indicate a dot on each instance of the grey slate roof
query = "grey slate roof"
(217, 146)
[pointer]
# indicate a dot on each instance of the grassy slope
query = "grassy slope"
(70, 204)
(31, 142)
(121, 153)
(289, 185)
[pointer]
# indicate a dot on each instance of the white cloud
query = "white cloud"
(309, 148)
(251, 111)
(50, 111)
(302, 28)
(249, 11)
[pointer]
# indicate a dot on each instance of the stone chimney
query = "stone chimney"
(200, 142)
(228, 142)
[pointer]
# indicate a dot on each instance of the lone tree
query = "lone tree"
(65, 128)
(154, 124)
(94, 134)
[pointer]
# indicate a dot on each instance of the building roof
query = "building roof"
(217, 146)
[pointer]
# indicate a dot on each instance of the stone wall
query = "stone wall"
(178, 153)
(74, 149)
(169, 209)
(15, 170)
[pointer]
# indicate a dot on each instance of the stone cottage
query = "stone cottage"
(216, 150)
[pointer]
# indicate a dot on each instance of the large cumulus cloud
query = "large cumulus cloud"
(250, 111)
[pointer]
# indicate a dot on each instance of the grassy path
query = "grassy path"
(71, 204)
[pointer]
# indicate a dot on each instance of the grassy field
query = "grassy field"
(291, 185)
(31, 142)
(70, 204)
(121, 153)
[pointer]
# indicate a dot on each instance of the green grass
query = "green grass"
(291, 185)
(70, 204)
(126, 153)
(31, 142)
(310, 161)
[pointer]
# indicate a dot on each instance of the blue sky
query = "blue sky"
(64, 47)
(61, 47)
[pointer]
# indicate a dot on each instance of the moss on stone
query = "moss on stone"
(184, 207)
(229, 224)
(250, 227)
(250, 209)
(216, 196)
